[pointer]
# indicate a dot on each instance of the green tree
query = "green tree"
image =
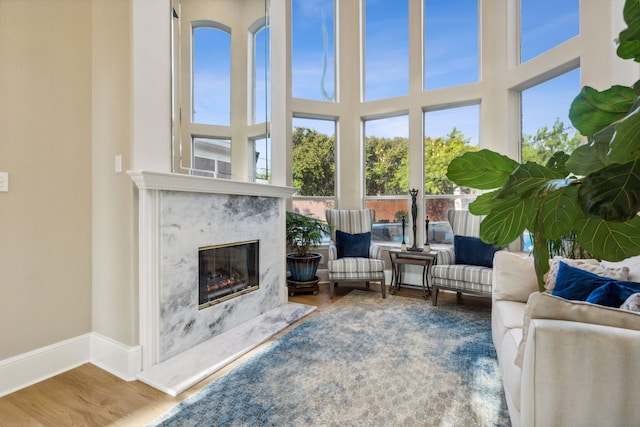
(314, 166)
(438, 153)
(386, 166)
(540, 147)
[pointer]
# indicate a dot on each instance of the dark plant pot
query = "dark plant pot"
(303, 268)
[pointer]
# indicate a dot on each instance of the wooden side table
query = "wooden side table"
(401, 258)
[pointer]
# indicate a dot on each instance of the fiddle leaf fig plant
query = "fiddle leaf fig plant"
(592, 194)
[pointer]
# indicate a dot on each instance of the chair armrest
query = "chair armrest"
(332, 251)
(568, 366)
(446, 256)
(375, 251)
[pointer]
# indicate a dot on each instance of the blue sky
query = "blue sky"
(451, 26)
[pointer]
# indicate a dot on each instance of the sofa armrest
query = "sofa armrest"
(580, 374)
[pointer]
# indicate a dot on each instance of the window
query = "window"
(545, 118)
(261, 87)
(386, 49)
(313, 50)
(387, 175)
(262, 157)
(450, 51)
(546, 24)
(212, 157)
(211, 76)
(314, 166)
(447, 134)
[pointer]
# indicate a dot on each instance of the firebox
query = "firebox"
(227, 271)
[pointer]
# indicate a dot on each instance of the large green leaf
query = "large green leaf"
(558, 163)
(612, 241)
(629, 47)
(613, 193)
(625, 145)
(593, 156)
(484, 169)
(484, 203)
(558, 211)
(506, 223)
(592, 111)
(528, 178)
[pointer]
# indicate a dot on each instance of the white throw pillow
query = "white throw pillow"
(514, 276)
(545, 306)
(591, 265)
(632, 303)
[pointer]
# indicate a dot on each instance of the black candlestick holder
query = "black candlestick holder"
(414, 215)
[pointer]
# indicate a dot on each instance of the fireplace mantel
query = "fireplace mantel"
(177, 215)
(150, 180)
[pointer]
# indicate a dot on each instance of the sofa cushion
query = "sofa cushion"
(473, 251)
(514, 276)
(353, 245)
(616, 272)
(545, 306)
(505, 315)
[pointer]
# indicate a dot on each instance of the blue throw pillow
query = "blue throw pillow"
(576, 284)
(613, 293)
(473, 251)
(353, 245)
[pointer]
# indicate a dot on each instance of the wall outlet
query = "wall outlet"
(4, 181)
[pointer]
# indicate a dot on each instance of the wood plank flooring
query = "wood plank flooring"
(89, 396)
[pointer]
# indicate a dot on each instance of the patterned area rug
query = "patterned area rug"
(365, 361)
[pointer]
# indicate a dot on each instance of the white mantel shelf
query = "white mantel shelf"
(149, 180)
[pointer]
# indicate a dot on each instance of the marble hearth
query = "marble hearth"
(181, 344)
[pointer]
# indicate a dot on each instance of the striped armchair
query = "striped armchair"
(353, 269)
(460, 278)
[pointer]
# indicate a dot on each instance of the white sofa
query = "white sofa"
(577, 369)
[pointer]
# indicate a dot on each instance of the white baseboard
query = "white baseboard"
(38, 365)
(121, 360)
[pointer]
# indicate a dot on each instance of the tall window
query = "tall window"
(262, 158)
(545, 118)
(387, 174)
(261, 86)
(314, 165)
(211, 76)
(545, 24)
(450, 51)
(447, 134)
(386, 49)
(313, 50)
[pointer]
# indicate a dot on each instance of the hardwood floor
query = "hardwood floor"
(89, 396)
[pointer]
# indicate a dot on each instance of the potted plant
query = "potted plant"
(592, 194)
(304, 233)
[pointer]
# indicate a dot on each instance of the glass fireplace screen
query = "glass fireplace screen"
(227, 271)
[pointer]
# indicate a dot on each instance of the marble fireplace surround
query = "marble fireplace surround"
(181, 345)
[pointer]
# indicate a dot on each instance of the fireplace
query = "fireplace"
(227, 271)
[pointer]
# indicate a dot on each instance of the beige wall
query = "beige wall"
(45, 145)
(115, 291)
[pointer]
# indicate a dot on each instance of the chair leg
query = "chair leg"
(331, 286)
(383, 287)
(435, 295)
